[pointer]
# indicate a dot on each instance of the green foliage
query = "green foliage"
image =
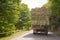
(55, 13)
(48, 5)
(9, 10)
(24, 17)
(55, 7)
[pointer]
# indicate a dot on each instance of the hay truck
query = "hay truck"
(40, 20)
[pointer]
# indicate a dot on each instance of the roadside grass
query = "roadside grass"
(16, 34)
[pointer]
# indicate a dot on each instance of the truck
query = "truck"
(40, 20)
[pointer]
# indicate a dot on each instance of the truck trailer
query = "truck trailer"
(40, 20)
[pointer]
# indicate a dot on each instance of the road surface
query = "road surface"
(31, 36)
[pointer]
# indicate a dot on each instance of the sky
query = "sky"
(34, 3)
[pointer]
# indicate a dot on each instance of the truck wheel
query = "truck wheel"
(34, 32)
(46, 33)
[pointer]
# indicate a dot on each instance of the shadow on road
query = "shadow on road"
(50, 36)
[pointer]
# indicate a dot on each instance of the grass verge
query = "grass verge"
(16, 34)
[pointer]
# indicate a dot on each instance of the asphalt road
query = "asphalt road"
(31, 36)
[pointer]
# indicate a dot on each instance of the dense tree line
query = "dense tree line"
(24, 21)
(54, 5)
(9, 10)
(12, 13)
(55, 8)
(55, 13)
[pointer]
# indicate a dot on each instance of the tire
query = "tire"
(46, 33)
(34, 32)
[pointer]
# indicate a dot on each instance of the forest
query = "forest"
(54, 6)
(14, 15)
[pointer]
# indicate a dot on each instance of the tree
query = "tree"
(55, 12)
(55, 8)
(24, 17)
(9, 10)
(48, 5)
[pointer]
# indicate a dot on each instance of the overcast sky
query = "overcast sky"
(34, 3)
